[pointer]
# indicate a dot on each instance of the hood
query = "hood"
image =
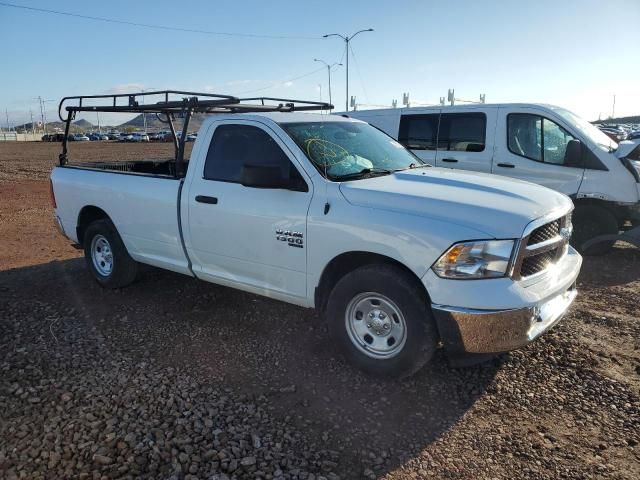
(497, 206)
(626, 147)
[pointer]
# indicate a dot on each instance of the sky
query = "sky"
(576, 53)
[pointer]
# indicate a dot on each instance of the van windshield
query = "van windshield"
(350, 150)
(587, 129)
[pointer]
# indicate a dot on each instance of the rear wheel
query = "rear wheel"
(107, 257)
(591, 221)
(380, 318)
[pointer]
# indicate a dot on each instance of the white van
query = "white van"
(542, 144)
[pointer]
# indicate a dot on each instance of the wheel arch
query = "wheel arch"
(346, 262)
(618, 212)
(87, 215)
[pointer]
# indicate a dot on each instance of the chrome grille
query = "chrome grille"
(537, 263)
(545, 232)
(542, 247)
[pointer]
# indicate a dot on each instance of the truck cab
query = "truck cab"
(543, 144)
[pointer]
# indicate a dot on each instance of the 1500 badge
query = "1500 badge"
(293, 239)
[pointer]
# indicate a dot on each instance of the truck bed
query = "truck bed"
(142, 205)
(147, 167)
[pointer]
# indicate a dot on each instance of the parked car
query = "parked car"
(633, 135)
(191, 137)
(126, 137)
(98, 136)
(330, 213)
(538, 143)
(113, 135)
(139, 137)
(167, 137)
(53, 137)
(78, 137)
(617, 134)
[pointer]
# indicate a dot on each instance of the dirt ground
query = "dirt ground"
(88, 377)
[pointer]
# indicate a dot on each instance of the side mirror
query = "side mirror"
(573, 154)
(267, 176)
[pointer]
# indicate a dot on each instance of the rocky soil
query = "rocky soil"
(177, 379)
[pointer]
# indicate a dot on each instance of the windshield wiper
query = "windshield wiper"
(364, 173)
(418, 165)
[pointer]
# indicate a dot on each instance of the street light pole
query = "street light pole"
(329, 67)
(347, 39)
(144, 117)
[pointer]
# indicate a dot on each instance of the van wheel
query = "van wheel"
(591, 221)
(107, 257)
(380, 319)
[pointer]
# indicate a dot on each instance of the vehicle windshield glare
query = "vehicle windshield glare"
(349, 150)
(587, 129)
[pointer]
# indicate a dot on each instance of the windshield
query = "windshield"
(587, 129)
(350, 150)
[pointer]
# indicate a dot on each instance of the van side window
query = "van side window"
(537, 138)
(462, 132)
(234, 146)
(419, 132)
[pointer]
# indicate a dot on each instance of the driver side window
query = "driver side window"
(537, 138)
(234, 146)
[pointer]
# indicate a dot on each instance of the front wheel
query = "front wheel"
(380, 318)
(107, 257)
(591, 221)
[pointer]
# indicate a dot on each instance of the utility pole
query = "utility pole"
(6, 112)
(43, 118)
(144, 116)
(32, 129)
(329, 67)
(347, 39)
(613, 110)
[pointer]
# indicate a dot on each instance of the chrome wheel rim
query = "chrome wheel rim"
(375, 325)
(101, 255)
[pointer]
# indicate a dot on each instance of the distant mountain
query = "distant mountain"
(631, 119)
(154, 124)
(82, 123)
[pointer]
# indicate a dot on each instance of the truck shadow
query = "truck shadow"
(618, 267)
(257, 347)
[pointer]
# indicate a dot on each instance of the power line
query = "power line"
(366, 96)
(159, 27)
(282, 82)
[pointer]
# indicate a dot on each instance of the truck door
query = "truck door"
(533, 148)
(419, 132)
(245, 236)
(463, 141)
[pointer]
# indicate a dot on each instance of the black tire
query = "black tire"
(124, 268)
(590, 221)
(421, 338)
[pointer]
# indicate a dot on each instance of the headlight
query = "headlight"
(479, 259)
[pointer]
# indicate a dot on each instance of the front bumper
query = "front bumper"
(503, 314)
(466, 330)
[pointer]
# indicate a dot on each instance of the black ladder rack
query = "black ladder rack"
(186, 106)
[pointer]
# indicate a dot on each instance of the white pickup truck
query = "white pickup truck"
(330, 213)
